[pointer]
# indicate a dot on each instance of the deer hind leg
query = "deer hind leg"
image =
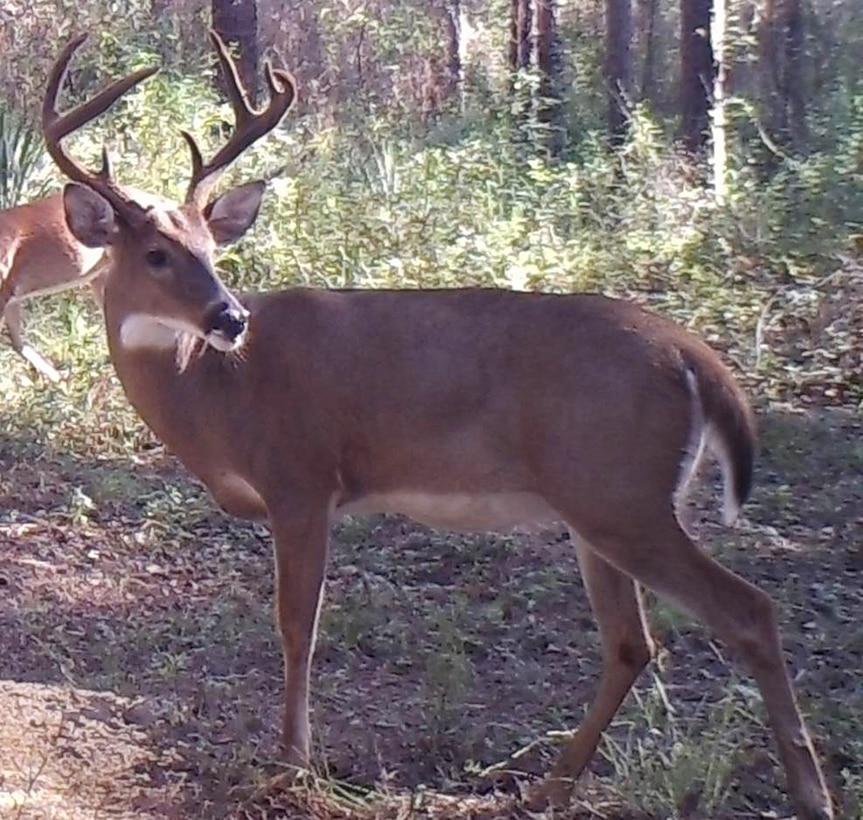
(14, 323)
(663, 558)
(626, 649)
(301, 548)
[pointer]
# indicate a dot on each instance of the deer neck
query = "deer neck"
(145, 355)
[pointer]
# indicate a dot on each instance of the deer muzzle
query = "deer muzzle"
(226, 325)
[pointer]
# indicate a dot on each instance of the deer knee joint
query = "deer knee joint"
(635, 654)
(755, 632)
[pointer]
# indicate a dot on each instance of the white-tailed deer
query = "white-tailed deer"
(469, 409)
(38, 256)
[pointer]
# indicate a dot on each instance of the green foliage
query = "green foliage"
(669, 767)
(22, 167)
(377, 207)
(144, 130)
(372, 209)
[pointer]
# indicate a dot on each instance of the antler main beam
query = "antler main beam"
(56, 126)
(250, 124)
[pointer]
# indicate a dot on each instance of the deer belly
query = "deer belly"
(481, 512)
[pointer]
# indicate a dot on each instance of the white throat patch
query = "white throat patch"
(142, 331)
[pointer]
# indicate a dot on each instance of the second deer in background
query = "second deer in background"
(39, 256)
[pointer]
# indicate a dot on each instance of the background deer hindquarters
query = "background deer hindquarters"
(39, 256)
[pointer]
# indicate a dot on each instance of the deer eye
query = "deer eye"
(157, 258)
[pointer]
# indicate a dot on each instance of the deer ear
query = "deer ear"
(233, 213)
(89, 216)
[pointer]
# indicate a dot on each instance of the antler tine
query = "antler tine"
(250, 124)
(57, 126)
(234, 87)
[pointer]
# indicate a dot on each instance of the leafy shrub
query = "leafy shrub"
(22, 168)
(378, 206)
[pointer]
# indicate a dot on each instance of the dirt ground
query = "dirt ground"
(140, 672)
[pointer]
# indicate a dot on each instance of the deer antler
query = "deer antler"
(57, 126)
(250, 124)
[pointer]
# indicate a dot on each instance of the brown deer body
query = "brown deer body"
(39, 256)
(470, 409)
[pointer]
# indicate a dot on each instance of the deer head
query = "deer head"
(162, 272)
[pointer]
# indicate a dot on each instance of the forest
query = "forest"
(701, 158)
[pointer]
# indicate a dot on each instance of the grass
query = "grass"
(670, 764)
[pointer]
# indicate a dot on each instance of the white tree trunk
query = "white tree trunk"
(718, 24)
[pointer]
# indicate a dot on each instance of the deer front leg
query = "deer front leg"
(12, 316)
(300, 550)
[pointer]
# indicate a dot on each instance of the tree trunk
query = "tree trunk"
(719, 123)
(158, 9)
(512, 57)
(647, 10)
(781, 63)
(525, 24)
(519, 35)
(548, 100)
(696, 72)
(236, 22)
(164, 21)
(520, 49)
(618, 65)
(454, 67)
(793, 85)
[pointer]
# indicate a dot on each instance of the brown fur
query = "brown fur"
(368, 427)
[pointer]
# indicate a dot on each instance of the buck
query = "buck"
(39, 256)
(469, 409)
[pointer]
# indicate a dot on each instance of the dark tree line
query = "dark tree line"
(535, 85)
(696, 72)
(618, 64)
(781, 42)
(781, 68)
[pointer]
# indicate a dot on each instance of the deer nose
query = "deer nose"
(229, 321)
